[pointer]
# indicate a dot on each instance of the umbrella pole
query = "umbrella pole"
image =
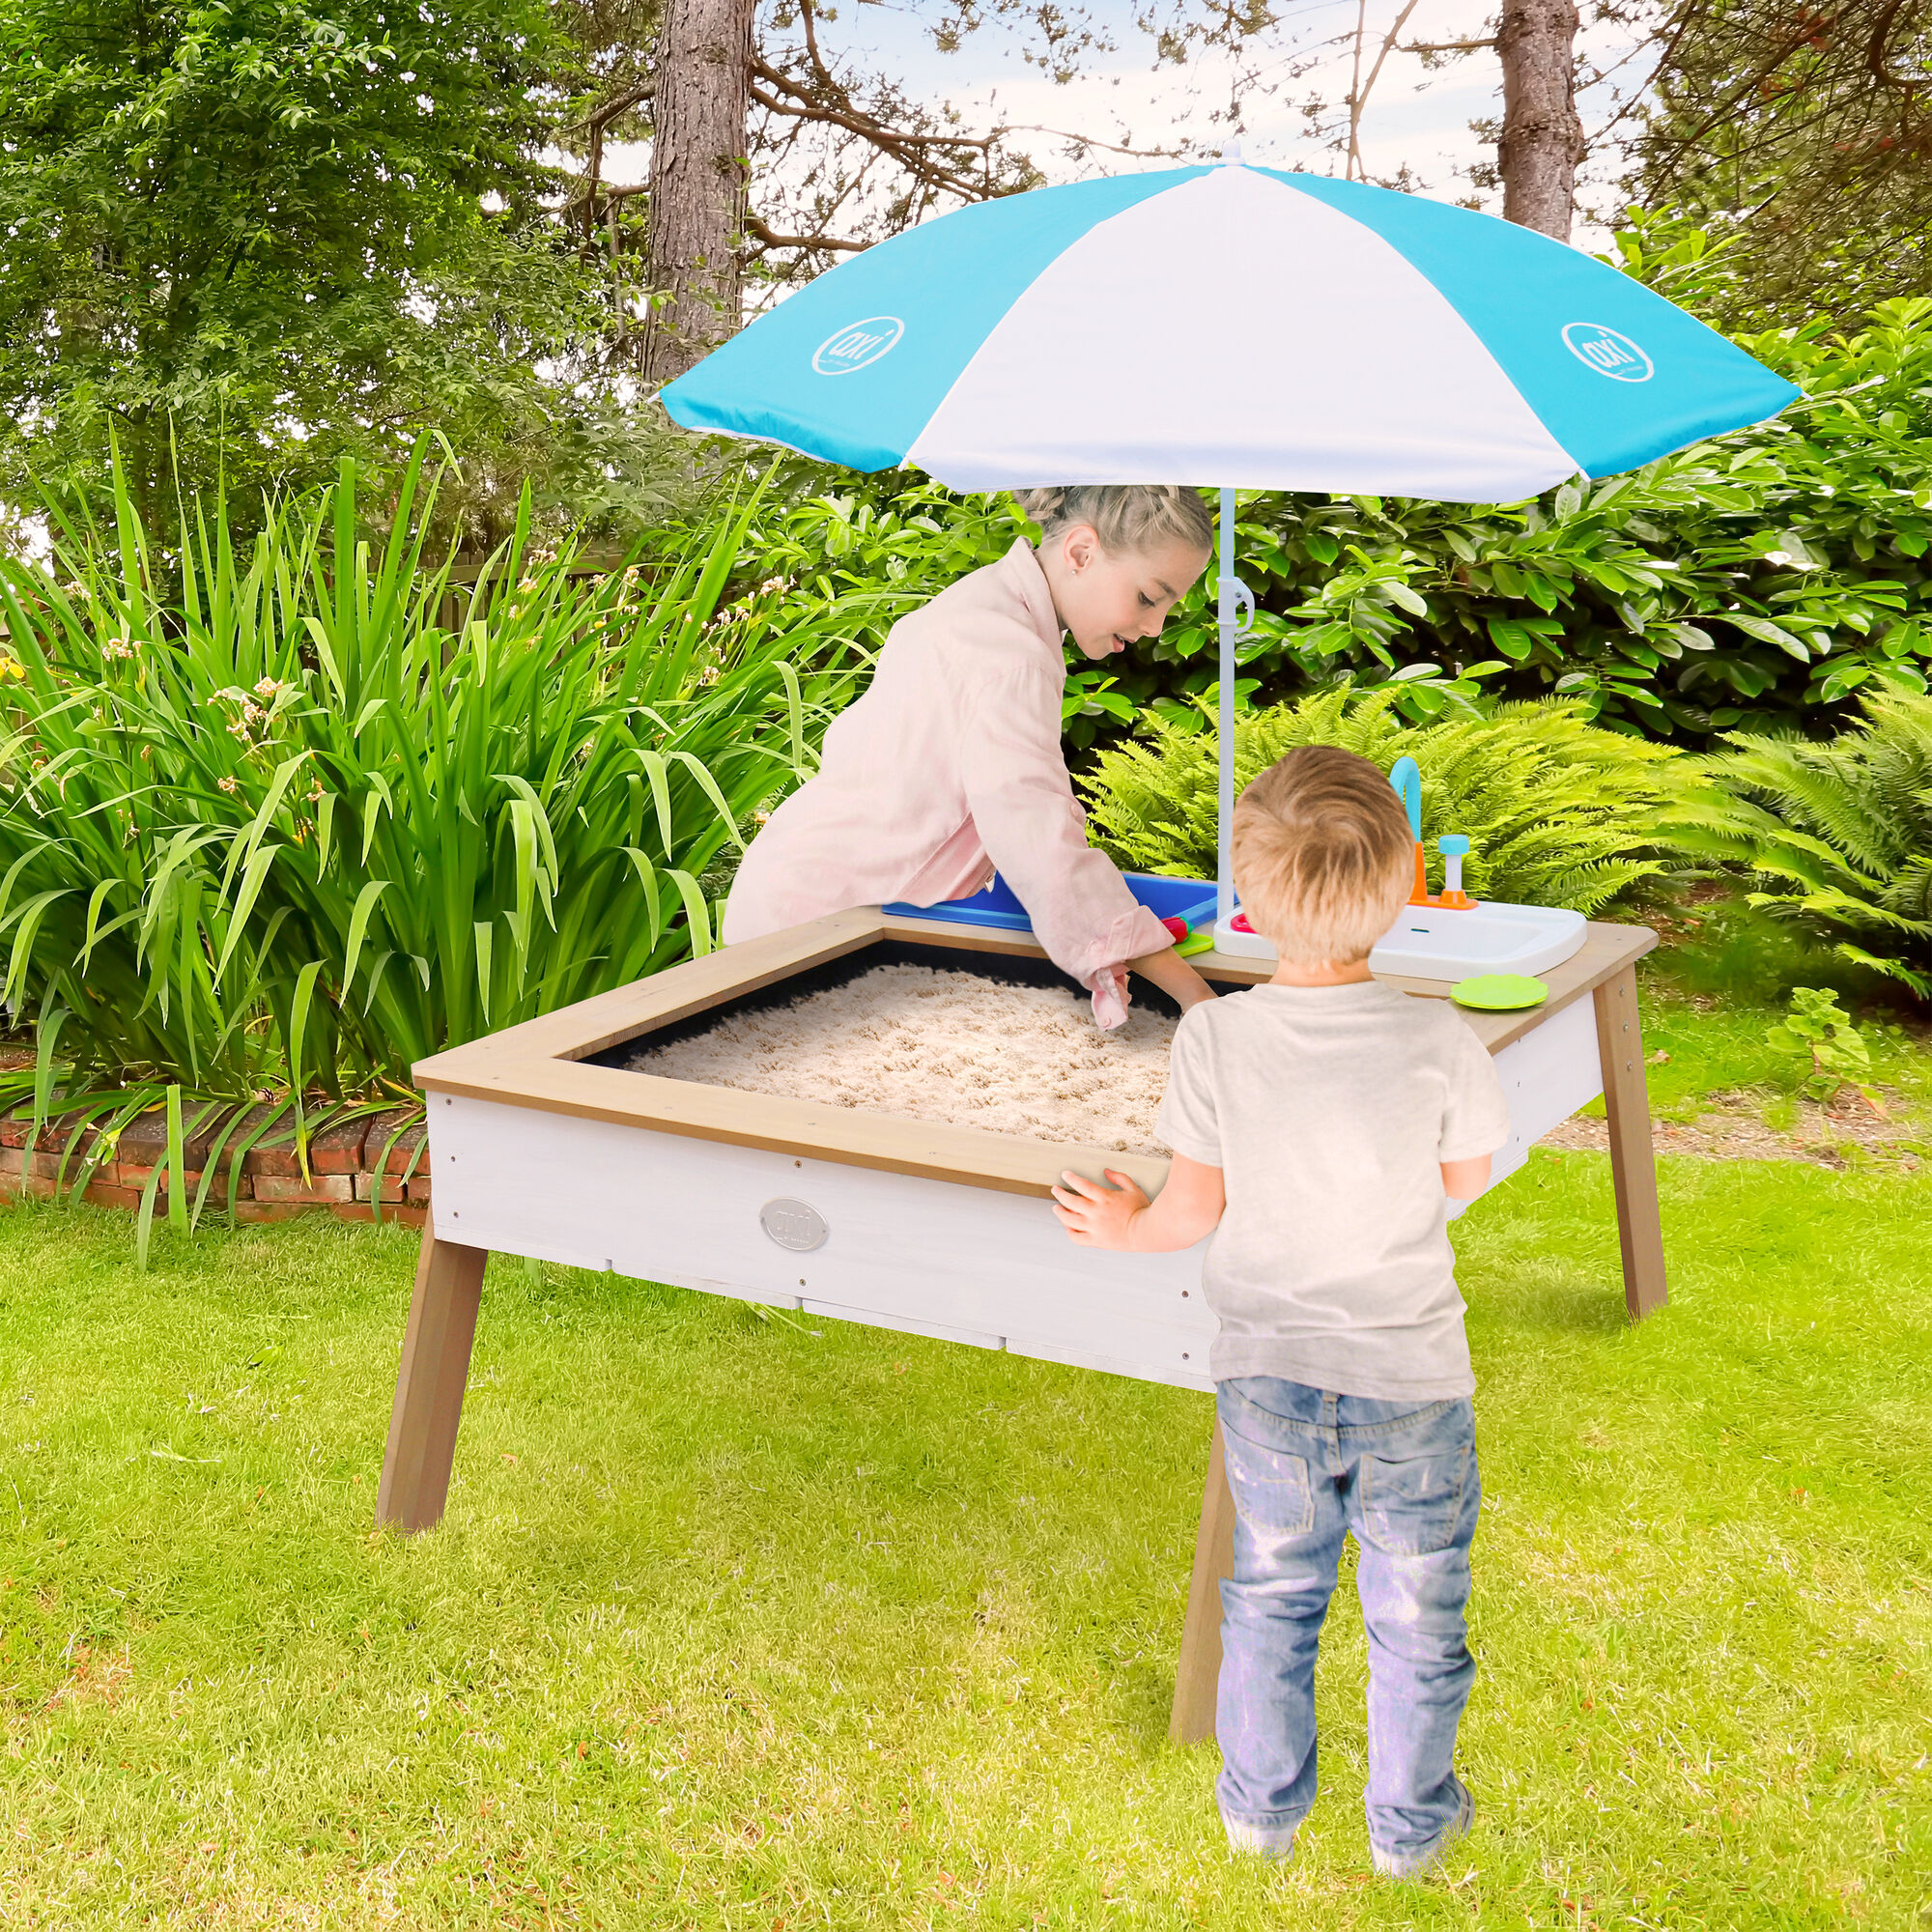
(1228, 586)
(1236, 608)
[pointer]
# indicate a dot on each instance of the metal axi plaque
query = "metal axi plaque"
(793, 1224)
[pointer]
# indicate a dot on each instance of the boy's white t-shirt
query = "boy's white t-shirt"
(1328, 1110)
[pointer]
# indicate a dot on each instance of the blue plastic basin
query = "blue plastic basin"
(1189, 899)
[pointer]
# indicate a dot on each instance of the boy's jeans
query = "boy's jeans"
(1305, 1467)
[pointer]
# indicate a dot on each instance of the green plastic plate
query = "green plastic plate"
(1499, 992)
(1195, 942)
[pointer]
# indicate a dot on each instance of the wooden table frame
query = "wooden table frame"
(542, 1065)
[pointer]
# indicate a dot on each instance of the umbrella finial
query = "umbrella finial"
(1230, 153)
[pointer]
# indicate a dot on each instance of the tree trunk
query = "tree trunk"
(1542, 139)
(697, 181)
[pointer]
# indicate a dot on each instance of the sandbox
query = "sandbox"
(637, 1132)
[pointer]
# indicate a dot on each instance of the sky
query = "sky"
(1415, 118)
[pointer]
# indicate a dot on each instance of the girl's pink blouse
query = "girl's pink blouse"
(947, 769)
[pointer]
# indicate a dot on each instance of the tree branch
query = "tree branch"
(1876, 55)
(594, 123)
(1360, 90)
(1690, 14)
(908, 150)
(854, 120)
(1724, 111)
(1087, 141)
(632, 96)
(756, 229)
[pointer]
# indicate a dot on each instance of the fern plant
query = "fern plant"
(1840, 831)
(1558, 811)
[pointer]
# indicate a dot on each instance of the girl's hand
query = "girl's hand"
(1096, 1216)
(1175, 976)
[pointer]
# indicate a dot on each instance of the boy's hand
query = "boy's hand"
(1096, 1216)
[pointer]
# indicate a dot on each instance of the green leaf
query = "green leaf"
(177, 1164)
(482, 931)
(359, 926)
(1768, 633)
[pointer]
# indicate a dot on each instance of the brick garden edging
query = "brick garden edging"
(342, 1163)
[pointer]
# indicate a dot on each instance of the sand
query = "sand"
(937, 1044)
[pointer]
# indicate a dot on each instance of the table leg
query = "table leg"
(429, 1390)
(1199, 1670)
(1632, 1161)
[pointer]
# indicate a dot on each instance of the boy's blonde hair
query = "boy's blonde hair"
(1323, 856)
(1128, 518)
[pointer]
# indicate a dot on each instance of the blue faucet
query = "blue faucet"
(1405, 776)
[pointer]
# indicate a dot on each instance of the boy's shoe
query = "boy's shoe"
(1419, 1864)
(1252, 1839)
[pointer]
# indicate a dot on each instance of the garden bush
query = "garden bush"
(1759, 580)
(1558, 811)
(1840, 831)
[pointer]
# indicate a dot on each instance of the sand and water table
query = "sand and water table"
(862, 1118)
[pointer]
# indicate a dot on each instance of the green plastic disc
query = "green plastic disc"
(1499, 992)
(1196, 942)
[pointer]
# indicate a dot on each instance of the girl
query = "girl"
(950, 768)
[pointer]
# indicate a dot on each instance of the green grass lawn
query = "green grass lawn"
(1718, 1051)
(737, 1623)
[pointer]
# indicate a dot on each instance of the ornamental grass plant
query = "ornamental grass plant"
(278, 821)
(1559, 811)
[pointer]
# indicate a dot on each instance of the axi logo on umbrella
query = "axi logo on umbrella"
(857, 344)
(1607, 352)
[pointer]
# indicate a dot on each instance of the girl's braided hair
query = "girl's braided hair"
(1127, 517)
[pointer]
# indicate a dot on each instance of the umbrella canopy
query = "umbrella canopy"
(1228, 325)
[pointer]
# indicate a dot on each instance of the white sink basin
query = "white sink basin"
(1433, 943)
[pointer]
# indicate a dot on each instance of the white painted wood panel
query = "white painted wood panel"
(871, 1319)
(1546, 1076)
(927, 1256)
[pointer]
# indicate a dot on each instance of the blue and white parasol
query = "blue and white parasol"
(1229, 327)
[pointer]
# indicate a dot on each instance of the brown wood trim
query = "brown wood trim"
(428, 1408)
(1197, 1674)
(893, 1143)
(609, 1019)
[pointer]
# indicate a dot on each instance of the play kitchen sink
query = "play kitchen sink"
(1430, 943)
(1427, 941)
(1446, 935)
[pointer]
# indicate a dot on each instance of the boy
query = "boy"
(1319, 1124)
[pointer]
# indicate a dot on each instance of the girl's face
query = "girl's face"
(1106, 601)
